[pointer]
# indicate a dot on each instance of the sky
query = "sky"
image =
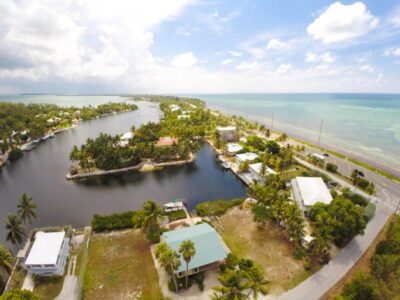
(193, 46)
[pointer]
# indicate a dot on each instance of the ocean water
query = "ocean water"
(363, 125)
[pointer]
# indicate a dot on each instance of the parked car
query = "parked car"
(361, 174)
(326, 154)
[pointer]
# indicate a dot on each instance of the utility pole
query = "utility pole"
(320, 131)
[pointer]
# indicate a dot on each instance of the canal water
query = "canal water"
(41, 174)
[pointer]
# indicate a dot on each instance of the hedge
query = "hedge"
(112, 222)
(216, 207)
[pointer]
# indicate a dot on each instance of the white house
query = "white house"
(174, 107)
(233, 148)
(248, 156)
(227, 134)
(48, 254)
(309, 190)
(255, 170)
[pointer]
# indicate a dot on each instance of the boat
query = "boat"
(28, 146)
(173, 206)
(51, 134)
(226, 164)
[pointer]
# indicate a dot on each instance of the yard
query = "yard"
(48, 287)
(120, 266)
(268, 247)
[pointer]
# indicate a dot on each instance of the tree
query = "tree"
(233, 286)
(16, 294)
(362, 287)
(168, 259)
(354, 178)
(15, 229)
(6, 259)
(187, 250)
(257, 282)
(370, 189)
(283, 138)
(15, 154)
(151, 210)
(244, 167)
(26, 208)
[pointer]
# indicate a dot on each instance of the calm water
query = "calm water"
(366, 125)
(41, 174)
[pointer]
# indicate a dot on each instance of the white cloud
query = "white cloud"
(341, 23)
(367, 68)
(326, 57)
(392, 52)
(219, 23)
(283, 69)
(276, 44)
(227, 61)
(250, 66)
(184, 60)
(234, 53)
(379, 79)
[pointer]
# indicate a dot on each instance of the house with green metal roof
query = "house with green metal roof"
(210, 250)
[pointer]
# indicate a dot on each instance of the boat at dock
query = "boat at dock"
(28, 146)
(174, 206)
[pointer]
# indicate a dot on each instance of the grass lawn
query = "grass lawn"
(176, 215)
(48, 287)
(268, 247)
(18, 277)
(120, 266)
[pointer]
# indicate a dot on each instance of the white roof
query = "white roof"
(174, 107)
(313, 190)
(257, 168)
(127, 136)
(233, 147)
(227, 128)
(247, 156)
(319, 156)
(45, 249)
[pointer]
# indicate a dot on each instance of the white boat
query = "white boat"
(226, 164)
(51, 134)
(28, 146)
(173, 206)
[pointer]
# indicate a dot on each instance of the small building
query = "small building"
(233, 148)
(248, 156)
(166, 141)
(174, 107)
(127, 136)
(309, 190)
(255, 170)
(48, 254)
(210, 250)
(227, 134)
(318, 156)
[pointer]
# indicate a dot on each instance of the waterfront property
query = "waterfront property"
(125, 138)
(48, 254)
(309, 190)
(210, 250)
(174, 107)
(248, 156)
(233, 148)
(166, 141)
(255, 170)
(227, 134)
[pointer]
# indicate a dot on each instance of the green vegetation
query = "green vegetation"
(216, 207)
(15, 154)
(48, 287)
(112, 222)
(383, 282)
(21, 123)
(16, 294)
(331, 167)
(187, 250)
(169, 260)
(120, 266)
(176, 215)
(15, 229)
(27, 208)
(240, 278)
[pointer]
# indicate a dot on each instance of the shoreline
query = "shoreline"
(144, 166)
(373, 166)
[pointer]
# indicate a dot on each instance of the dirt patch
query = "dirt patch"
(268, 247)
(120, 266)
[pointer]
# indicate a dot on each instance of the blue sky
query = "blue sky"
(188, 46)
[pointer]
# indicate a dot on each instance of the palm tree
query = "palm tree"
(168, 259)
(6, 259)
(26, 208)
(233, 286)
(257, 282)
(283, 138)
(370, 189)
(187, 250)
(354, 178)
(15, 228)
(151, 210)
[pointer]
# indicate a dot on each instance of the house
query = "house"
(166, 141)
(210, 250)
(233, 148)
(174, 107)
(318, 156)
(255, 170)
(48, 254)
(248, 156)
(309, 190)
(227, 134)
(125, 138)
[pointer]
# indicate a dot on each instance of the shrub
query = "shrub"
(199, 279)
(331, 167)
(369, 211)
(355, 198)
(15, 154)
(307, 263)
(181, 281)
(153, 231)
(16, 294)
(217, 207)
(112, 222)
(176, 215)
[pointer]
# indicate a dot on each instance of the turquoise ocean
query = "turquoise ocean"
(364, 125)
